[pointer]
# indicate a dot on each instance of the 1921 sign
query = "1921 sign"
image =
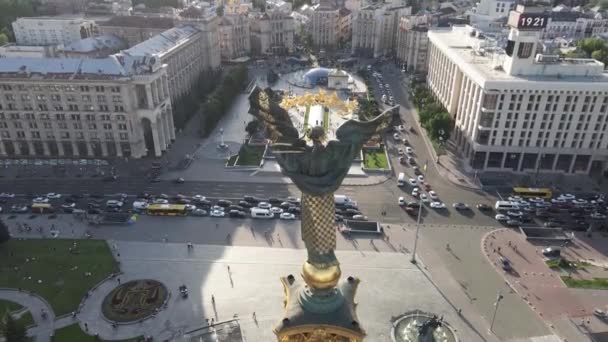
(532, 21)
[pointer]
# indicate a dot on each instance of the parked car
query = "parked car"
(505, 264)
(245, 204)
(251, 199)
(40, 200)
(237, 214)
(360, 217)
(19, 209)
(412, 181)
(224, 203)
(264, 205)
(552, 252)
(294, 210)
(7, 195)
(501, 217)
(288, 216)
(437, 205)
(199, 212)
(217, 213)
(53, 195)
(484, 207)
(460, 206)
(276, 210)
(179, 180)
(513, 223)
(433, 195)
(401, 201)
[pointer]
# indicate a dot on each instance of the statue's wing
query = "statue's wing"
(358, 132)
(265, 107)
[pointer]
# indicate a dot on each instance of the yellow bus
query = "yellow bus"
(167, 209)
(42, 208)
(533, 192)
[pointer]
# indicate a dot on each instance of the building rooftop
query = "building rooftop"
(163, 43)
(139, 21)
(91, 44)
(75, 18)
(481, 59)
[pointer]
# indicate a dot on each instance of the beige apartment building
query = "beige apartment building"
(184, 51)
(118, 106)
(374, 29)
(413, 43)
(235, 40)
(272, 33)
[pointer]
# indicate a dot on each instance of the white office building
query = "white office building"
(39, 31)
(518, 110)
(487, 14)
(413, 42)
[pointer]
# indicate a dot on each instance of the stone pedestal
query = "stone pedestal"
(319, 316)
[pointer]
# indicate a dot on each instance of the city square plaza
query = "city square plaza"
(245, 280)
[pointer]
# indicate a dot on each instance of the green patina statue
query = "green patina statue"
(318, 170)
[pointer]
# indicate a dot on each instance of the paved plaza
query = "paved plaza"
(390, 286)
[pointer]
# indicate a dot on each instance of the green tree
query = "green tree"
(589, 45)
(12, 330)
(4, 233)
(600, 55)
(3, 39)
(441, 121)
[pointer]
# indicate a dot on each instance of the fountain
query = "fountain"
(422, 327)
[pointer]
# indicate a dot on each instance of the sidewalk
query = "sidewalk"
(34, 304)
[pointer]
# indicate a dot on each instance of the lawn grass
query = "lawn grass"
(232, 160)
(73, 333)
(595, 283)
(9, 306)
(250, 155)
(26, 319)
(47, 268)
(375, 159)
(566, 264)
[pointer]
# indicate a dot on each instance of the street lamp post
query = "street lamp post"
(499, 297)
(413, 260)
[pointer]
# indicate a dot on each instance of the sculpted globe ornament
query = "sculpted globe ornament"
(317, 166)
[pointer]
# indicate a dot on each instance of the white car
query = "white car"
(396, 136)
(217, 208)
(287, 216)
(264, 205)
(400, 151)
(40, 200)
(199, 198)
(7, 195)
(421, 178)
(415, 192)
(579, 201)
(68, 205)
(53, 195)
(412, 181)
(140, 205)
(409, 150)
(433, 195)
(276, 210)
(401, 201)
(501, 217)
(199, 212)
(114, 203)
(515, 198)
(598, 216)
(567, 197)
(360, 218)
(512, 213)
(401, 128)
(558, 200)
(190, 207)
(536, 200)
(437, 205)
(217, 213)
(160, 201)
(424, 198)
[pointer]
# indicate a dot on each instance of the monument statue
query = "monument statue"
(317, 167)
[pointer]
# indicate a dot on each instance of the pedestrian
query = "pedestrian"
(254, 317)
(213, 299)
(459, 311)
(498, 248)
(118, 279)
(509, 243)
(86, 327)
(228, 268)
